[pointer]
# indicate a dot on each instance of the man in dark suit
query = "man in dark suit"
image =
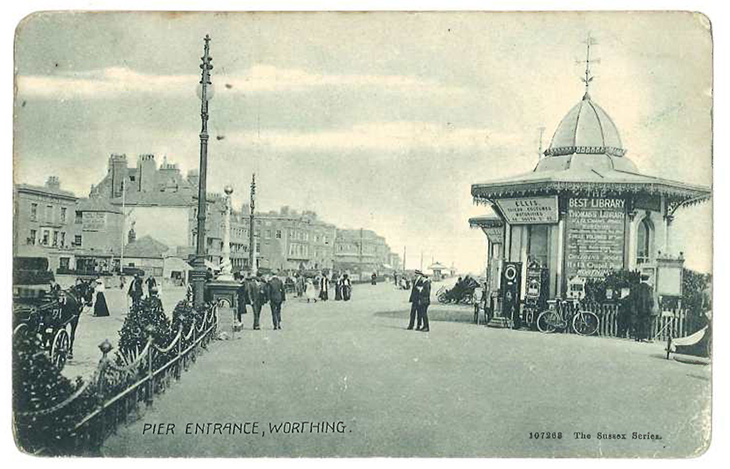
(413, 300)
(276, 296)
(423, 292)
(135, 289)
(256, 296)
(242, 300)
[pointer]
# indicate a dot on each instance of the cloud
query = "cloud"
(120, 82)
(377, 136)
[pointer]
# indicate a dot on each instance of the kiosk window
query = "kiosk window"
(538, 244)
(643, 242)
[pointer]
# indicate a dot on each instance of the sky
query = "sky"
(374, 120)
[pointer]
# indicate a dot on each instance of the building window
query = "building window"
(32, 237)
(63, 214)
(278, 234)
(63, 263)
(55, 238)
(44, 240)
(33, 212)
(79, 217)
(644, 240)
(77, 240)
(62, 240)
(268, 234)
(49, 213)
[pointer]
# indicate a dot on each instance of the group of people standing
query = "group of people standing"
(318, 288)
(420, 300)
(638, 311)
(136, 288)
(256, 291)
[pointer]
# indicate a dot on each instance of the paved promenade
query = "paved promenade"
(460, 390)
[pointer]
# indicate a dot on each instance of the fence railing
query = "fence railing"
(120, 388)
(675, 322)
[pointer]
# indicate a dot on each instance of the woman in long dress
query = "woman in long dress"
(324, 288)
(311, 293)
(338, 289)
(346, 287)
(100, 307)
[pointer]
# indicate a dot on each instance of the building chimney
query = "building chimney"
(53, 183)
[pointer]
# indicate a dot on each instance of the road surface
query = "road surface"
(459, 390)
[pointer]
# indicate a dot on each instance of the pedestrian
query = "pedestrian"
(346, 287)
(338, 289)
(625, 320)
(122, 281)
(646, 308)
(301, 285)
(373, 279)
(424, 300)
(135, 289)
(256, 295)
(413, 300)
(277, 296)
(324, 287)
(100, 307)
(310, 291)
(151, 283)
(242, 301)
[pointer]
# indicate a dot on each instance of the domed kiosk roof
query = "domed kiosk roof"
(587, 128)
(587, 138)
(586, 155)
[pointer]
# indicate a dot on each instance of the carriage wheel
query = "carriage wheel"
(60, 348)
(443, 298)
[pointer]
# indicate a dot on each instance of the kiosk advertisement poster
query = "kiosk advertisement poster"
(595, 231)
(530, 210)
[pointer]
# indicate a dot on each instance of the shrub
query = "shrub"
(38, 385)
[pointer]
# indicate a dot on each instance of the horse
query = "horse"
(72, 304)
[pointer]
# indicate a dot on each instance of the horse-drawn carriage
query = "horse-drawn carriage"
(461, 293)
(42, 311)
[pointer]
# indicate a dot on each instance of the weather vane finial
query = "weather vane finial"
(590, 41)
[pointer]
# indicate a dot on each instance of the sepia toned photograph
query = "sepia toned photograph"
(362, 234)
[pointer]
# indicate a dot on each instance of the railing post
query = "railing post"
(150, 370)
(105, 347)
(179, 352)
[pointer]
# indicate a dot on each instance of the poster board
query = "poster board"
(595, 236)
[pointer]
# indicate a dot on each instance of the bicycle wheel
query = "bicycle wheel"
(546, 321)
(585, 323)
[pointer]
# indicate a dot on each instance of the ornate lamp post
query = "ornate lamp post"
(226, 268)
(199, 271)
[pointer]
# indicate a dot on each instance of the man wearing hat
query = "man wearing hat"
(135, 289)
(276, 295)
(646, 308)
(424, 300)
(416, 298)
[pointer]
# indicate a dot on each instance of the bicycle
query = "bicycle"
(560, 316)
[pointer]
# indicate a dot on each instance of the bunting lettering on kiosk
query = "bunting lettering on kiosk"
(595, 230)
(530, 210)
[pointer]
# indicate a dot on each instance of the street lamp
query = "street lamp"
(205, 94)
